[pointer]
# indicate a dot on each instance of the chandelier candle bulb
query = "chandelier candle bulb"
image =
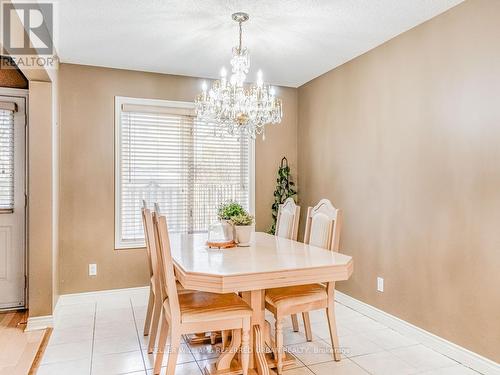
(235, 108)
(260, 82)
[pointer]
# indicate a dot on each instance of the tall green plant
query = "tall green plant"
(284, 189)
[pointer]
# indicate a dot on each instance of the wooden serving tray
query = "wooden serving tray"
(221, 245)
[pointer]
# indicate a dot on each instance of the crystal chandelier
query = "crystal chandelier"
(237, 108)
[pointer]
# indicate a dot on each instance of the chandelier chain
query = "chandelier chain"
(241, 36)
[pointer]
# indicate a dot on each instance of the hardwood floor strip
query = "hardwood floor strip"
(7, 318)
(21, 351)
(40, 351)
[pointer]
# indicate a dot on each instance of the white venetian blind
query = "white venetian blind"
(6, 159)
(168, 156)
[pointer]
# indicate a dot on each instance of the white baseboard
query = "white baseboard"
(445, 347)
(65, 299)
(39, 322)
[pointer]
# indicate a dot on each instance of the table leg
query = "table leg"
(258, 361)
(268, 339)
(259, 364)
(226, 357)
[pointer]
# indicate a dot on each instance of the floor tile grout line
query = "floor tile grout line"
(362, 368)
(137, 333)
(199, 366)
(188, 346)
(383, 350)
(183, 343)
(417, 342)
(359, 366)
(93, 338)
(397, 357)
(359, 355)
(425, 346)
(350, 359)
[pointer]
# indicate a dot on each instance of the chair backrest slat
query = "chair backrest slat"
(169, 282)
(323, 225)
(152, 248)
(148, 250)
(287, 221)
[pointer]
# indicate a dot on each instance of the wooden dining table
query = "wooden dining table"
(269, 262)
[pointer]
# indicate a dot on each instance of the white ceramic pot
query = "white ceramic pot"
(243, 234)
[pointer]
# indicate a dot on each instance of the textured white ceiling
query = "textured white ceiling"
(292, 41)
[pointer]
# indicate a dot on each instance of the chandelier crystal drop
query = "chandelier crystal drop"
(236, 107)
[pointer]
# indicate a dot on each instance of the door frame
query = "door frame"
(23, 93)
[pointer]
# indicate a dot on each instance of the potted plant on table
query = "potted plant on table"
(225, 213)
(243, 227)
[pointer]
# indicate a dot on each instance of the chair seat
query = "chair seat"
(202, 306)
(282, 298)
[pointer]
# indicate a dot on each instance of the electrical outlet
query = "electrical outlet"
(92, 269)
(380, 284)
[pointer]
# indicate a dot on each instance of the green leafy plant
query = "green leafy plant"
(284, 189)
(227, 210)
(242, 219)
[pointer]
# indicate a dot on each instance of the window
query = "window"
(165, 155)
(7, 157)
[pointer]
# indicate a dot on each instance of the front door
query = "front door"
(12, 201)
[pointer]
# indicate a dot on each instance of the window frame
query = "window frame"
(119, 244)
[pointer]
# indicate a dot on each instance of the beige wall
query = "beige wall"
(87, 169)
(406, 139)
(40, 188)
(55, 190)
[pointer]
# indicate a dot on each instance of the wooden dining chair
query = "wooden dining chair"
(201, 336)
(287, 226)
(322, 230)
(149, 311)
(187, 313)
(155, 301)
(155, 296)
(287, 220)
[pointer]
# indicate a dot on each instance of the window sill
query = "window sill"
(130, 247)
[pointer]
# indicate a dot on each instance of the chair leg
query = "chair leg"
(162, 341)
(175, 343)
(279, 345)
(295, 323)
(147, 323)
(245, 346)
(213, 338)
(225, 339)
(330, 313)
(154, 325)
(307, 326)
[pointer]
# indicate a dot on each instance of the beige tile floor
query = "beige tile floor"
(101, 334)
